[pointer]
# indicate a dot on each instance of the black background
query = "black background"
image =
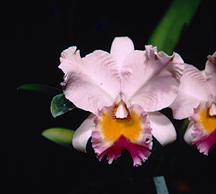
(34, 34)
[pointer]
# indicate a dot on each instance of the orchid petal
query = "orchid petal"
(162, 128)
(83, 133)
(210, 73)
(192, 90)
(151, 79)
(90, 82)
(121, 48)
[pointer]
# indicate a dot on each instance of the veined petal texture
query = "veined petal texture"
(210, 73)
(151, 79)
(192, 90)
(90, 82)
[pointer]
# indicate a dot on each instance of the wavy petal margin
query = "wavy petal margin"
(90, 82)
(139, 146)
(202, 128)
(151, 79)
(210, 73)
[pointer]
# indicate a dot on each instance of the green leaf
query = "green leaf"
(183, 127)
(39, 88)
(60, 136)
(60, 105)
(168, 31)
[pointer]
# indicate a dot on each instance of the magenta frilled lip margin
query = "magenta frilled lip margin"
(123, 89)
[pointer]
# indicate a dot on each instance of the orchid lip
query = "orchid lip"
(129, 130)
(203, 132)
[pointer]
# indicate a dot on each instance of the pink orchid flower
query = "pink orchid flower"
(197, 100)
(123, 90)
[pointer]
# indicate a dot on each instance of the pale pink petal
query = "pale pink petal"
(162, 128)
(151, 79)
(188, 133)
(83, 133)
(139, 150)
(192, 90)
(90, 82)
(210, 72)
(120, 49)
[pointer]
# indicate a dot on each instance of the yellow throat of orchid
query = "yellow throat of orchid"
(207, 121)
(113, 126)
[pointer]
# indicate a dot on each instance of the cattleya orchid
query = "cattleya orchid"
(123, 90)
(197, 100)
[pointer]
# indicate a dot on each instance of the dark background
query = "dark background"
(34, 34)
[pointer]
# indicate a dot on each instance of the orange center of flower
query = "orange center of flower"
(112, 127)
(206, 121)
